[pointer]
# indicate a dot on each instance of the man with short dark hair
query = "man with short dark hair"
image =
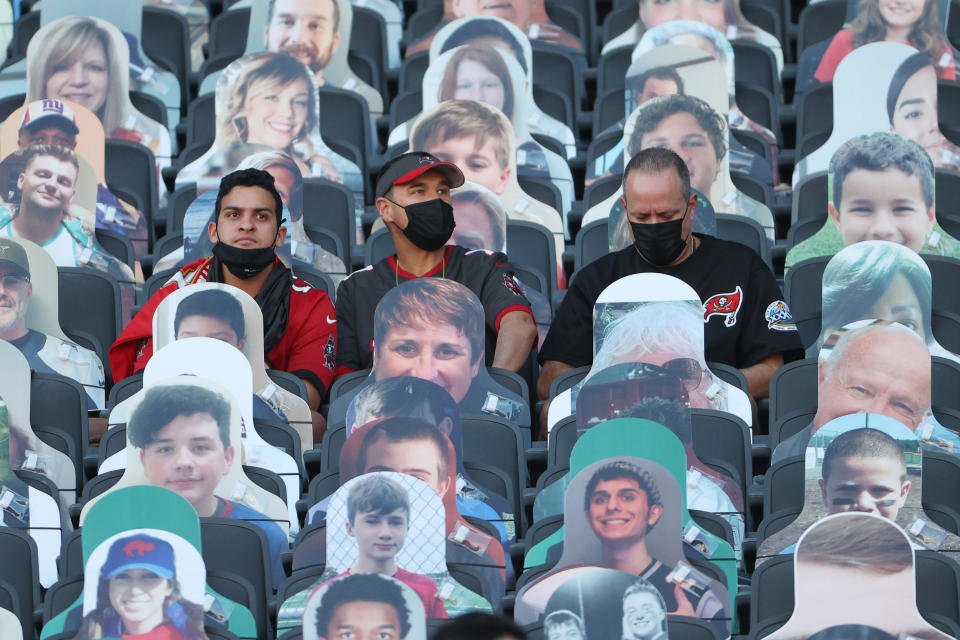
(413, 199)
(745, 322)
(299, 322)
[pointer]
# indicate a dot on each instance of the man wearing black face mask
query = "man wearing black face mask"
(413, 198)
(746, 323)
(299, 322)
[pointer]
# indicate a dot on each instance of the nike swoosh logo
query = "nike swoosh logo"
(330, 321)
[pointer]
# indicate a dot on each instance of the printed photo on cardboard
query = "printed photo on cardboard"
(710, 41)
(140, 581)
(146, 76)
(724, 16)
(874, 366)
(270, 99)
(867, 469)
(362, 606)
(443, 318)
(655, 309)
(529, 16)
(487, 74)
(413, 446)
(393, 525)
(49, 197)
(880, 187)
(921, 25)
(602, 603)
(30, 322)
(297, 248)
(168, 420)
(624, 513)
(882, 280)
(855, 569)
(63, 44)
(407, 397)
(165, 516)
(673, 122)
(316, 32)
(505, 36)
(69, 125)
(457, 130)
(25, 507)
(900, 96)
(27, 451)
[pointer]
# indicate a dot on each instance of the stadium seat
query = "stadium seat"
(539, 248)
(792, 388)
(61, 403)
(494, 479)
(756, 66)
(612, 70)
(165, 37)
(541, 189)
(412, 71)
(820, 21)
(803, 291)
(563, 436)
(722, 436)
(753, 187)
(240, 547)
(495, 441)
(90, 306)
(592, 242)
(557, 68)
(810, 198)
(228, 33)
(132, 167)
(117, 245)
(746, 231)
(815, 107)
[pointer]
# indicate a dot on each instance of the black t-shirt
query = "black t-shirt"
(486, 273)
(745, 317)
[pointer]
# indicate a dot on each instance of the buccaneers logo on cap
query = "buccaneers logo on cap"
(723, 304)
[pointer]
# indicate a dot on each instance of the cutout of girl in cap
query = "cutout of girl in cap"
(138, 596)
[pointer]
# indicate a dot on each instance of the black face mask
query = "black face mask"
(429, 224)
(246, 263)
(660, 243)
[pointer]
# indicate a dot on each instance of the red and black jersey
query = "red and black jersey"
(307, 348)
(486, 273)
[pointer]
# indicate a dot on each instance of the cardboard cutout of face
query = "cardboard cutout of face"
(867, 464)
(487, 74)
(666, 309)
(166, 522)
(270, 99)
(289, 183)
(697, 131)
(707, 40)
(505, 36)
(900, 96)
(882, 280)
(920, 24)
(27, 451)
(603, 603)
(215, 359)
(198, 18)
(621, 513)
(184, 434)
(647, 440)
(855, 568)
(49, 197)
(99, 53)
(145, 75)
(53, 122)
(528, 16)
(406, 397)
(317, 33)
(879, 367)
(724, 16)
(480, 140)
(30, 321)
(364, 606)
(417, 335)
(880, 187)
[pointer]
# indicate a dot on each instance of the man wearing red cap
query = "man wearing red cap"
(413, 199)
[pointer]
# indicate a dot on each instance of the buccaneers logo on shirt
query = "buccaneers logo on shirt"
(723, 304)
(511, 283)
